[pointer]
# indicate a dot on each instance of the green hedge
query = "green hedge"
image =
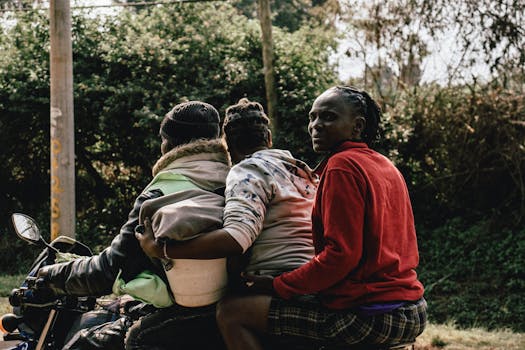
(474, 274)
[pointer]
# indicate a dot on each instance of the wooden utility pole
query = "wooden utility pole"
(267, 54)
(62, 124)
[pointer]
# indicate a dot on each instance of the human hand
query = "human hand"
(148, 243)
(262, 284)
(42, 285)
(42, 278)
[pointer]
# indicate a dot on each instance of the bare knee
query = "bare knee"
(246, 311)
(227, 312)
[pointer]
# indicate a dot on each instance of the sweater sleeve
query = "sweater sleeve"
(249, 190)
(341, 221)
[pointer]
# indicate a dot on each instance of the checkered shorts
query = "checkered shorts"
(309, 319)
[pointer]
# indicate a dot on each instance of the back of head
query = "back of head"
(189, 121)
(246, 126)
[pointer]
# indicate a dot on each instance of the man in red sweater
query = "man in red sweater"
(361, 286)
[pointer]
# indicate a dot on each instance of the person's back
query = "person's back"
(399, 254)
(192, 156)
(282, 236)
(269, 194)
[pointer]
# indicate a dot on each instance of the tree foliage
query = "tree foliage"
(292, 15)
(398, 41)
(128, 71)
(391, 40)
(462, 151)
(496, 26)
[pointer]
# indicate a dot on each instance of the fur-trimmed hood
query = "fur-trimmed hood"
(205, 162)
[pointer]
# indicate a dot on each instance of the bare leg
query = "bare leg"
(241, 319)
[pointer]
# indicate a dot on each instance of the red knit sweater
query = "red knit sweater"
(363, 232)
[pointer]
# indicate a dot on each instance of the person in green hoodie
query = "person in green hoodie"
(193, 157)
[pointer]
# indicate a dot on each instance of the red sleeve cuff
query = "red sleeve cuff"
(280, 288)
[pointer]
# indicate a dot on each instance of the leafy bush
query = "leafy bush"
(462, 151)
(8, 282)
(474, 274)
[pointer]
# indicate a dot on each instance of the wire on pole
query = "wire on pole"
(130, 4)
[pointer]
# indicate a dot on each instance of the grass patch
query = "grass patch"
(449, 337)
(438, 342)
(473, 275)
(5, 308)
(8, 282)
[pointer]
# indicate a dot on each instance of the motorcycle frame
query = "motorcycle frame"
(43, 336)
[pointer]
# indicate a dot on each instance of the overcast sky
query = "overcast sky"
(446, 54)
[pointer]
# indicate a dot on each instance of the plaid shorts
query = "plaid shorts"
(307, 318)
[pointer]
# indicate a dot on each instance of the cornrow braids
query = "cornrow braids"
(246, 125)
(366, 107)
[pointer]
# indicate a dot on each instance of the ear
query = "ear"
(359, 126)
(270, 142)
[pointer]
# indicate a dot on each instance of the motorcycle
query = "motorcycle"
(40, 319)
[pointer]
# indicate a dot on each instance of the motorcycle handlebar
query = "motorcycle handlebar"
(35, 294)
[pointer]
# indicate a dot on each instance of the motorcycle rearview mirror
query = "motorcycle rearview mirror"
(27, 229)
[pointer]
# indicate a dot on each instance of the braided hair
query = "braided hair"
(367, 108)
(246, 126)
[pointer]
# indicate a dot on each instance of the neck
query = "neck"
(238, 155)
(351, 140)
